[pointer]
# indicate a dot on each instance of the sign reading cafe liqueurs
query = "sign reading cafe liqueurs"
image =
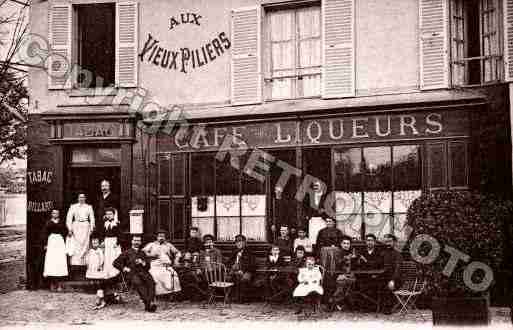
(184, 59)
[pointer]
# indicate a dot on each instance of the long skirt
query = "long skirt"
(112, 251)
(165, 277)
(81, 234)
(55, 259)
(314, 226)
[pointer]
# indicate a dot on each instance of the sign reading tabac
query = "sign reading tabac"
(92, 130)
(324, 131)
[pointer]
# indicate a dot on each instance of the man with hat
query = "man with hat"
(210, 253)
(392, 260)
(371, 259)
(242, 267)
(163, 255)
(134, 264)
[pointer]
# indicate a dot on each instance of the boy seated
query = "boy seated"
(191, 280)
(275, 281)
(284, 242)
(346, 278)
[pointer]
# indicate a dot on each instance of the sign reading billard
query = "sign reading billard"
(325, 131)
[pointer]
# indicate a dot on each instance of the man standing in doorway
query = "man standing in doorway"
(107, 199)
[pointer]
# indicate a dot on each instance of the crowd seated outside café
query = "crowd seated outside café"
(327, 273)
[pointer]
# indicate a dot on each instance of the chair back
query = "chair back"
(409, 274)
(214, 272)
(323, 272)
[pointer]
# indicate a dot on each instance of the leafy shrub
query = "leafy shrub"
(469, 222)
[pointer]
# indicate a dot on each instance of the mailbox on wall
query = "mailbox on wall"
(136, 221)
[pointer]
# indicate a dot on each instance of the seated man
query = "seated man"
(242, 267)
(163, 255)
(191, 280)
(133, 263)
(392, 260)
(346, 278)
(210, 253)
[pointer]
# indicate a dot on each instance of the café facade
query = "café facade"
(222, 115)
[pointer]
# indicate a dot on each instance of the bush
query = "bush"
(469, 222)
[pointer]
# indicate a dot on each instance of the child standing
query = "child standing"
(56, 265)
(309, 286)
(95, 269)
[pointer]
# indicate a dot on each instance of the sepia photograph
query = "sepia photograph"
(269, 164)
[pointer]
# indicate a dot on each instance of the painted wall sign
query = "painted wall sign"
(349, 129)
(184, 18)
(183, 59)
(39, 206)
(39, 177)
(92, 130)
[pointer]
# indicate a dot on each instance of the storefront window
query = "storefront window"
(95, 156)
(366, 189)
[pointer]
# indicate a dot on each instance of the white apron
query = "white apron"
(55, 257)
(112, 251)
(314, 226)
(81, 234)
(166, 278)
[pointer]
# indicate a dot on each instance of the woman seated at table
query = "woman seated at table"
(309, 286)
(346, 279)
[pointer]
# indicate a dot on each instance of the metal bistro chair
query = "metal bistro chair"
(216, 276)
(413, 286)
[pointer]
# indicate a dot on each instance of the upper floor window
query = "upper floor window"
(95, 45)
(475, 42)
(293, 53)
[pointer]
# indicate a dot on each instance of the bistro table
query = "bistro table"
(372, 276)
(284, 271)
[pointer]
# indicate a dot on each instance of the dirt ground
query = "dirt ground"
(46, 310)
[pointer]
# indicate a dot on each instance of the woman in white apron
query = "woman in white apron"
(162, 254)
(112, 251)
(55, 265)
(80, 223)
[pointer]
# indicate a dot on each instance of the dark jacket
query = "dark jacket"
(328, 237)
(53, 228)
(247, 262)
(285, 246)
(345, 261)
(193, 244)
(113, 231)
(278, 263)
(310, 209)
(127, 259)
(392, 260)
(374, 260)
(112, 200)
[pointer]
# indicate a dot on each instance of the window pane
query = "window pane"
(436, 165)
(179, 174)
(95, 155)
(164, 215)
(350, 224)
(377, 165)
(227, 177)
(254, 228)
(407, 168)
(202, 214)
(253, 216)
(205, 225)
(228, 216)
(178, 218)
(348, 169)
(281, 88)
(202, 174)
(458, 165)
(164, 173)
(378, 224)
(400, 226)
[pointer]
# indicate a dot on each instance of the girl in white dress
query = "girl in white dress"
(56, 265)
(309, 286)
(95, 269)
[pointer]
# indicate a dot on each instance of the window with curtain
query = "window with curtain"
(293, 53)
(374, 187)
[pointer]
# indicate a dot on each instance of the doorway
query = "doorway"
(88, 180)
(317, 163)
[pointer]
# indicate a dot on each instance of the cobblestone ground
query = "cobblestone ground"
(46, 310)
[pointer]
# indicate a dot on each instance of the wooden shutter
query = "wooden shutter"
(127, 16)
(246, 72)
(59, 64)
(338, 65)
(508, 39)
(434, 57)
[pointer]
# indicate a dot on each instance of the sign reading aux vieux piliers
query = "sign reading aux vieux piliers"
(184, 59)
